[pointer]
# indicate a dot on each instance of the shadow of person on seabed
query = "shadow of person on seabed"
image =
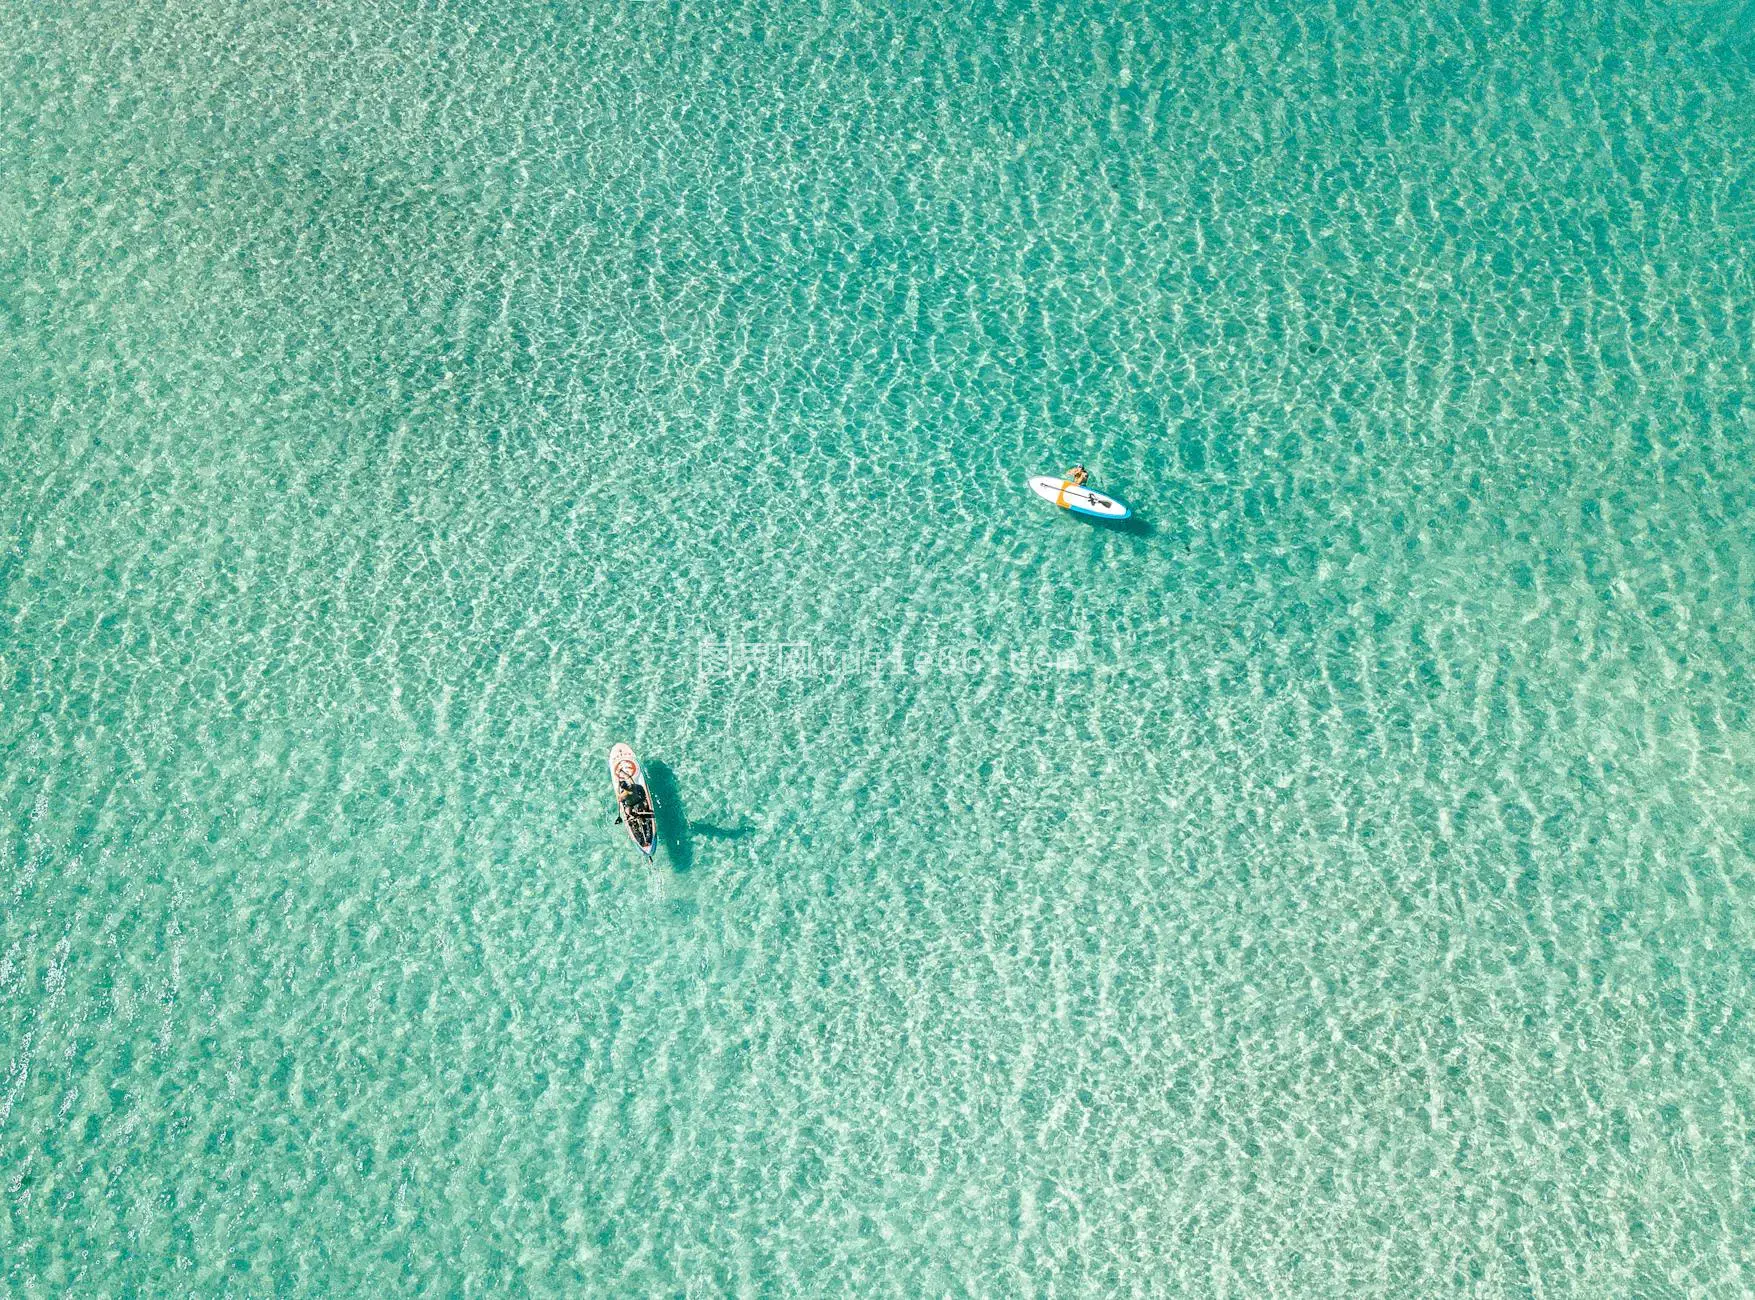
(675, 831)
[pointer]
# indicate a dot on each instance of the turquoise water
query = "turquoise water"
(1337, 883)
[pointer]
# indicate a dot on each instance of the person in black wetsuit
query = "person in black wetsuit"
(636, 812)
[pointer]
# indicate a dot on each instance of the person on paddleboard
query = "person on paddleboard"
(630, 796)
(1077, 476)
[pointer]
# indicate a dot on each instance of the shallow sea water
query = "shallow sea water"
(1337, 882)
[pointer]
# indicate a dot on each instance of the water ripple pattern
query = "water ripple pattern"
(1336, 882)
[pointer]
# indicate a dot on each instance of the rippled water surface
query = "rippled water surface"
(1336, 882)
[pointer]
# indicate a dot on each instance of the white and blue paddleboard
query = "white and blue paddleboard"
(1080, 500)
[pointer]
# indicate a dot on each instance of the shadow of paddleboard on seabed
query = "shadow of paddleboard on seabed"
(675, 831)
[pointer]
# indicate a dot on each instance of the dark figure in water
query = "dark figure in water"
(636, 811)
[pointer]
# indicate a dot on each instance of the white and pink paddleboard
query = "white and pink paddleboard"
(642, 826)
(1081, 501)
